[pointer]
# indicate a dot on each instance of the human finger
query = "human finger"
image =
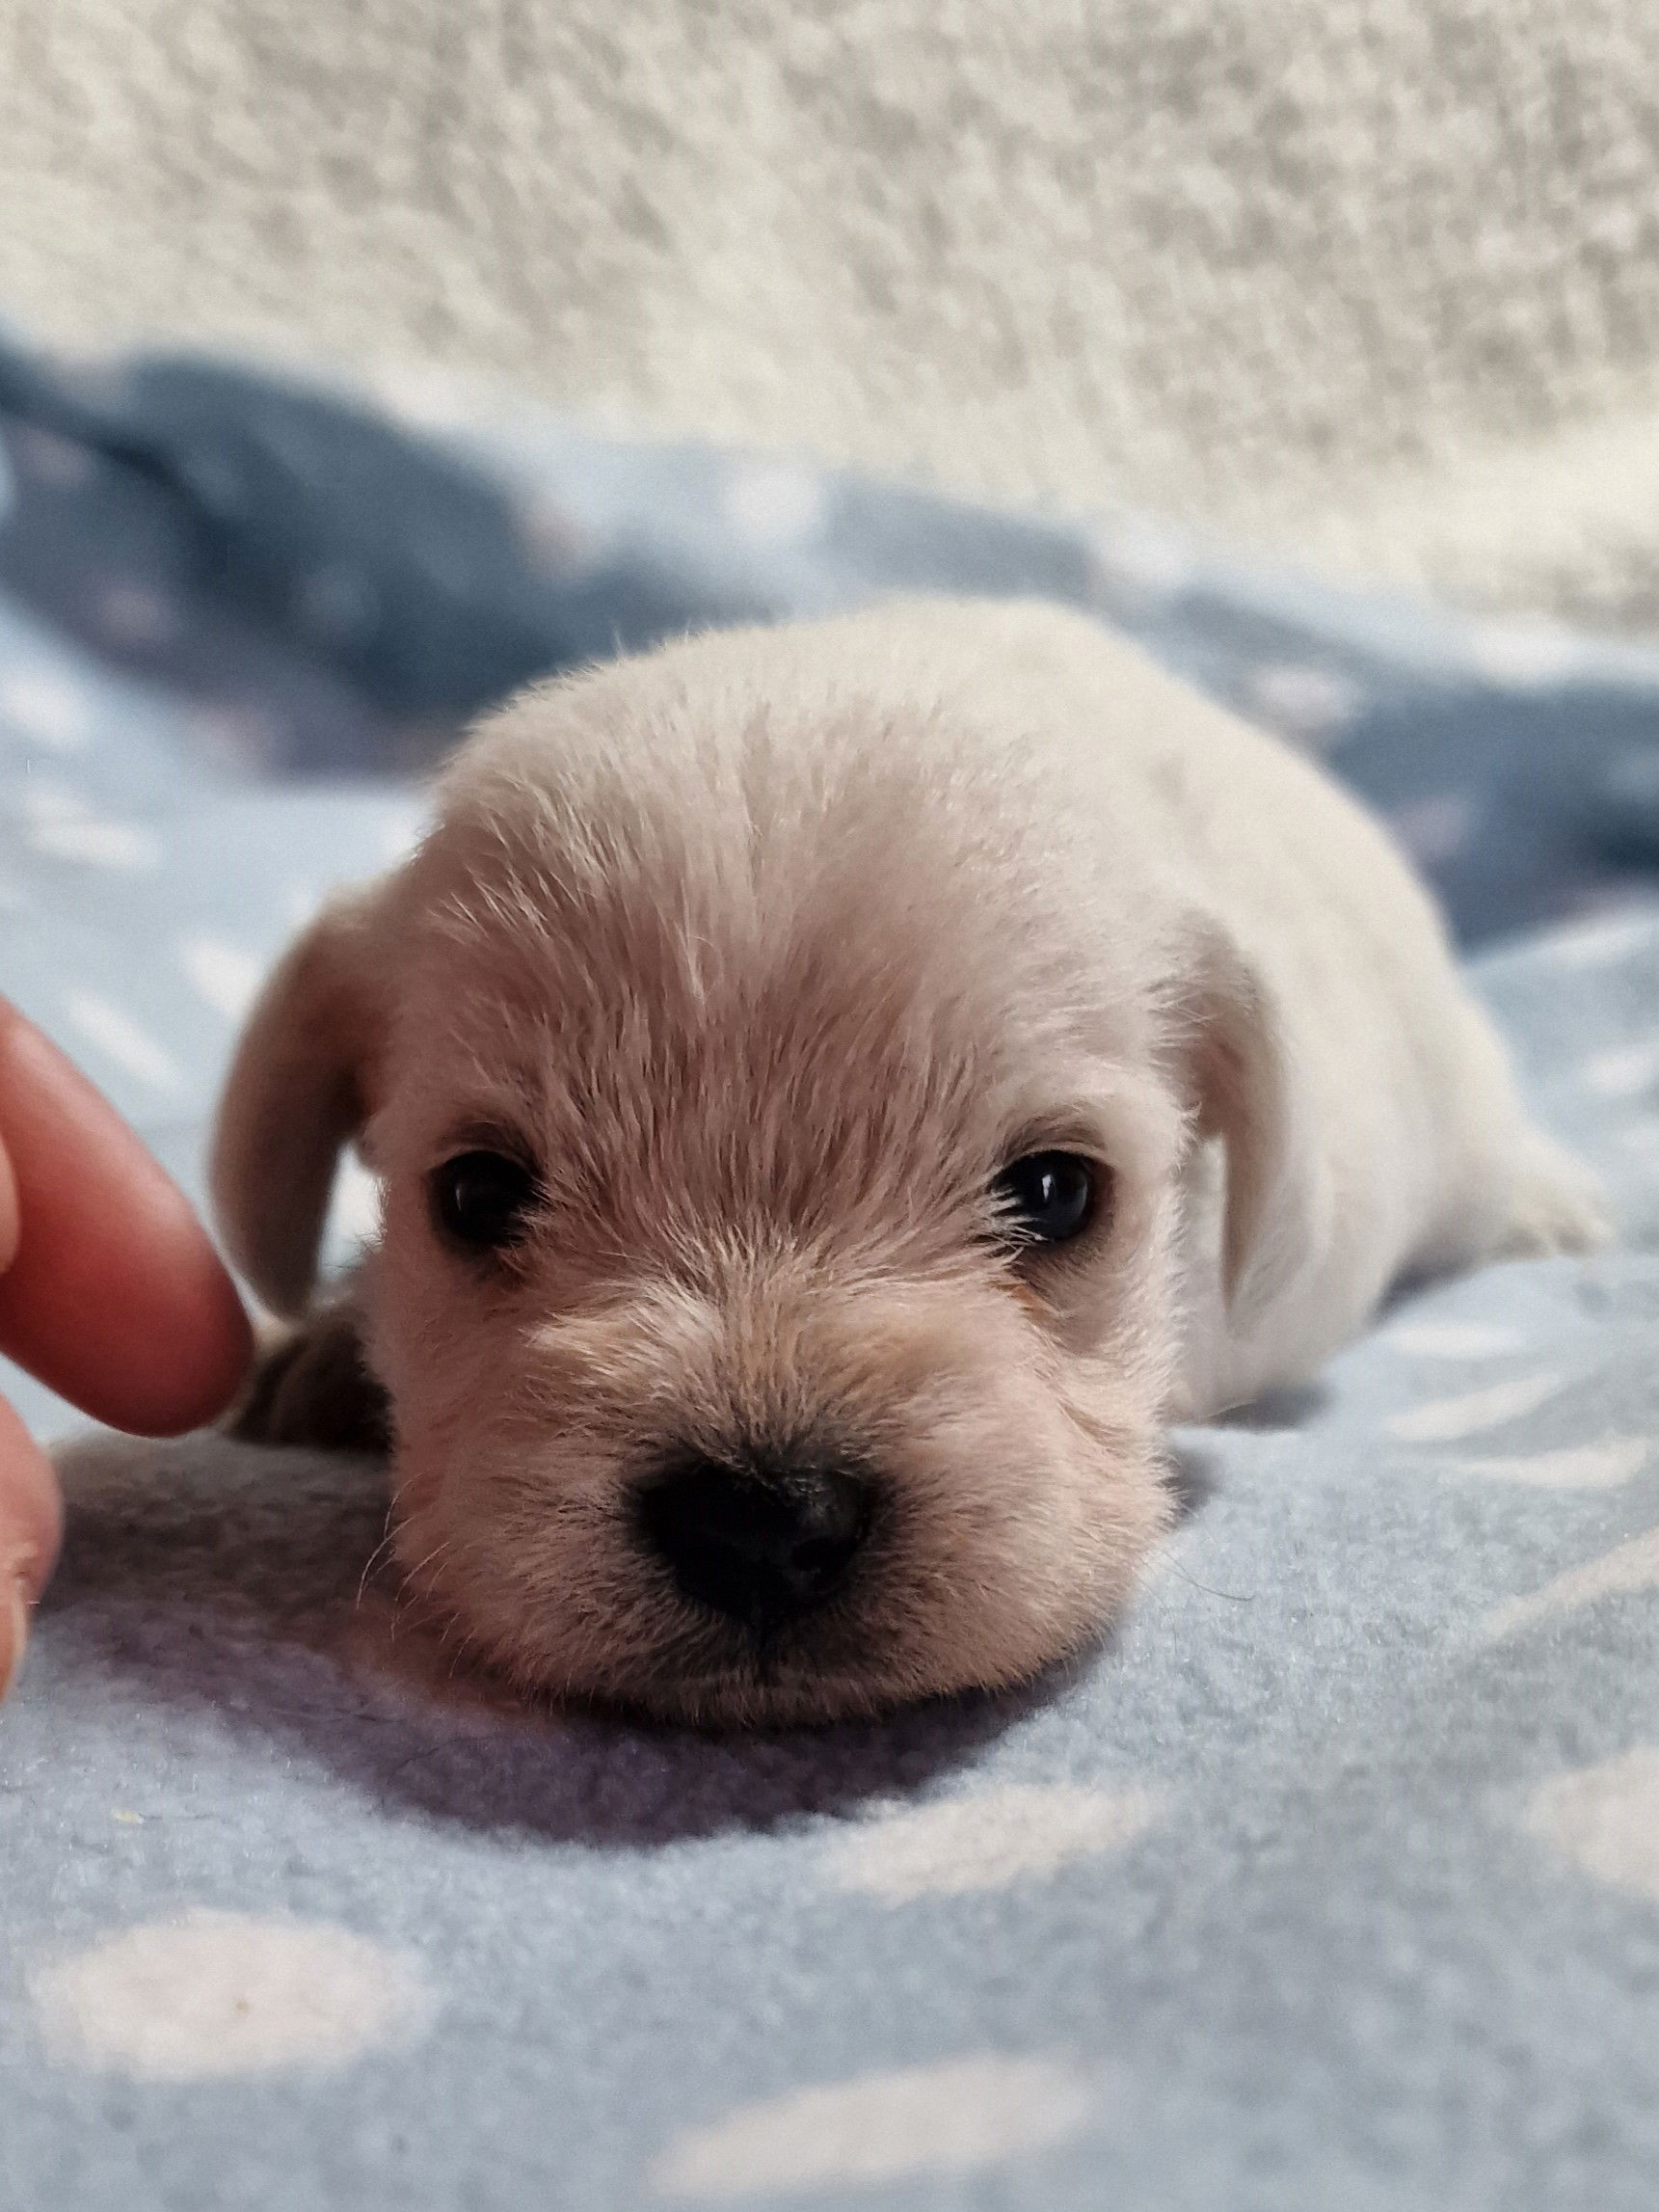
(115, 1297)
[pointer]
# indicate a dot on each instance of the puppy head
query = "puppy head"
(737, 1371)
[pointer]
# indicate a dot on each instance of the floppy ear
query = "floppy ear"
(1249, 1091)
(293, 1099)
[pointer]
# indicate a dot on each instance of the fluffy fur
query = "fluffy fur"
(768, 950)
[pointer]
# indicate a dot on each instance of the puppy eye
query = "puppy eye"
(1047, 1198)
(482, 1199)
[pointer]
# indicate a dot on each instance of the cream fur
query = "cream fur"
(770, 948)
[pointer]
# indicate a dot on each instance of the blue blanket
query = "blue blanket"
(1332, 1880)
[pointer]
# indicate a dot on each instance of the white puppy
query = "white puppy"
(838, 1092)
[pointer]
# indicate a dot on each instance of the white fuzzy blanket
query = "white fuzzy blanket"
(1372, 282)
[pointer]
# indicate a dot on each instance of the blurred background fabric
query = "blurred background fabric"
(321, 590)
(1370, 287)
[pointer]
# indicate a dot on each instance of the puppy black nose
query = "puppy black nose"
(761, 1545)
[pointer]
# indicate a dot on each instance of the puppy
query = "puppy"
(836, 1093)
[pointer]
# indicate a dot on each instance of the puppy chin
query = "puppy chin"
(1007, 1523)
(857, 1654)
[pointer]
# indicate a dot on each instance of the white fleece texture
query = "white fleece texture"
(1370, 283)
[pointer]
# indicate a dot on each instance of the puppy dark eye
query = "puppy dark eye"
(482, 1199)
(1047, 1198)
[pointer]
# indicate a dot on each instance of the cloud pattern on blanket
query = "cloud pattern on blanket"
(1331, 1878)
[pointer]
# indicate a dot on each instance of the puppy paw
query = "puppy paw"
(311, 1386)
(1555, 1205)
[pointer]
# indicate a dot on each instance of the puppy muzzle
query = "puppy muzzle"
(761, 1545)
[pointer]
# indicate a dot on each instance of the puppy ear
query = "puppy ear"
(1249, 1091)
(295, 1095)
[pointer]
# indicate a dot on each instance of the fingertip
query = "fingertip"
(8, 1211)
(116, 1296)
(203, 1366)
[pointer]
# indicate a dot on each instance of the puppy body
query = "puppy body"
(766, 951)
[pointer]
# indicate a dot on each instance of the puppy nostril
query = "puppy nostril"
(758, 1544)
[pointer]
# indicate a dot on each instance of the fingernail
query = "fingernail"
(13, 1637)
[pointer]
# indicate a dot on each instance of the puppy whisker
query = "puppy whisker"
(382, 1552)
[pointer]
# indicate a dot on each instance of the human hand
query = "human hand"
(110, 1293)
